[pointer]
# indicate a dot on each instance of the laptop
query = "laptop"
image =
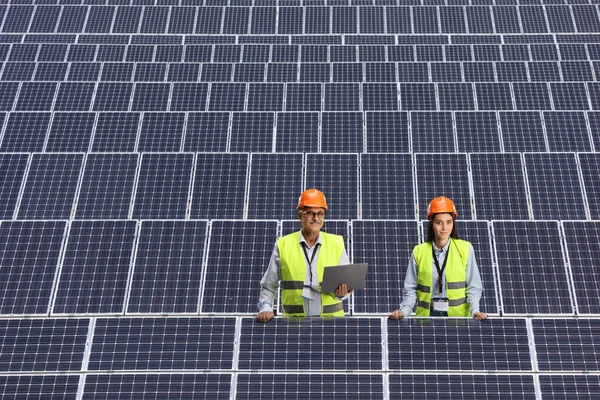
(353, 275)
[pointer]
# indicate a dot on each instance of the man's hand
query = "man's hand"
(397, 315)
(265, 316)
(342, 290)
(479, 316)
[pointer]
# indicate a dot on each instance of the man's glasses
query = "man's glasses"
(312, 214)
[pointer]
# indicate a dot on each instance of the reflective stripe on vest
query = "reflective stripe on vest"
(293, 273)
(456, 276)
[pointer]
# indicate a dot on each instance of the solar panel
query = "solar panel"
(566, 131)
(36, 96)
(161, 132)
(455, 344)
(70, 132)
(429, 53)
(303, 97)
(113, 96)
(115, 132)
(227, 96)
(507, 197)
(585, 19)
(297, 132)
(206, 132)
(163, 185)
(236, 20)
(533, 19)
(167, 273)
(150, 97)
(532, 268)
(342, 132)
(569, 96)
(251, 72)
(432, 132)
(252, 131)
(39, 386)
(544, 52)
(456, 96)
(314, 54)
(335, 174)
(446, 72)
(417, 96)
(209, 20)
(452, 19)
(468, 387)
(566, 344)
(387, 132)
(43, 344)
(522, 131)
(458, 52)
(181, 20)
(479, 19)
(309, 344)
(72, 19)
(589, 162)
(347, 72)
(167, 386)
(107, 186)
(425, 20)
(25, 132)
(531, 96)
(227, 287)
(477, 132)
(130, 343)
(18, 71)
(562, 386)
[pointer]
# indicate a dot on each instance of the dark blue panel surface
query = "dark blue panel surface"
(72, 19)
(533, 19)
(521, 263)
(451, 177)
(12, 171)
(249, 72)
(116, 132)
(165, 386)
(206, 131)
(542, 71)
(456, 96)
(36, 96)
(522, 131)
(425, 20)
(506, 198)
(297, 132)
(554, 186)
(161, 132)
(17, 19)
(290, 20)
(586, 18)
(95, 267)
(590, 164)
(399, 20)
(569, 96)
(25, 132)
(387, 132)
(432, 132)
(209, 20)
(188, 97)
(567, 344)
(264, 20)
(479, 19)
(51, 184)
(386, 246)
(451, 344)
(342, 132)
(182, 343)
(581, 239)
(265, 96)
(74, 96)
(559, 18)
(8, 93)
(342, 97)
(308, 344)
(387, 186)
(150, 97)
(303, 97)
(42, 344)
(380, 96)
(51, 387)
(28, 268)
(268, 171)
(219, 185)
(252, 132)
(466, 387)
(181, 20)
(113, 96)
(316, 20)
(70, 132)
(417, 96)
(227, 287)
(532, 96)
(107, 186)
(315, 72)
(163, 185)
(564, 387)
(477, 132)
(227, 97)
(168, 267)
(566, 131)
(235, 20)
(99, 19)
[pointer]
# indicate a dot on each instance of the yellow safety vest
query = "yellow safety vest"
(293, 273)
(456, 278)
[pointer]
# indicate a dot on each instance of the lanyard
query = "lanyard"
(304, 246)
(437, 266)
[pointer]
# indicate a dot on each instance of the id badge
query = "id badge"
(440, 304)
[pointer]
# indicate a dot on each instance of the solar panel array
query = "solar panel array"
(152, 151)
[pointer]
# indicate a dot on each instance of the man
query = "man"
(442, 276)
(298, 261)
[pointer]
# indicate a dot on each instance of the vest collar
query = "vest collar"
(302, 240)
(442, 250)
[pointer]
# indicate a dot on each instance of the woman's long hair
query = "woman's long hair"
(431, 233)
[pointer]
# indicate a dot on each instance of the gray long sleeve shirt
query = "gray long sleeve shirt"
(474, 286)
(270, 281)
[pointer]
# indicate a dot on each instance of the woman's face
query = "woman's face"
(442, 226)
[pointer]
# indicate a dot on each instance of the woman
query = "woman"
(457, 292)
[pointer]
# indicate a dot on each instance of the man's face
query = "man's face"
(312, 219)
(442, 226)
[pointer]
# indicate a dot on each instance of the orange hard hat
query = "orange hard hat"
(441, 205)
(312, 198)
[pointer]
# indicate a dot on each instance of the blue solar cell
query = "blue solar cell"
(544, 52)
(452, 19)
(25, 132)
(572, 51)
(18, 71)
(51, 72)
(589, 163)
(41, 386)
(347, 72)
(131, 343)
(227, 97)
(72, 19)
(511, 71)
(477, 132)
(220, 179)
(425, 20)
(127, 19)
(412, 72)
(217, 72)
(81, 53)
(576, 71)
(432, 132)
(95, 267)
(255, 53)
(282, 72)
(189, 97)
(594, 90)
(417, 96)
(36, 96)
(183, 72)
(372, 20)
(236, 20)
(325, 336)
(479, 71)
(342, 54)
(209, 20)
(297, 132)
(566, 344)
(107, 186)
(252, 132)
(506, 19)
(17, 19)
(21, 52)
(44, 20)
(113, 96)
(371, 53)
(150, 72)
(458, 52)
(532, 96)
(391, 197)
(506, 198)
(554, 186)
(117, 71)
(11, 178)
(150, 97)
(84, 72)
(154, 20)
(163, 185)
(167, 273)
(559, 18)
(557, 387)
(380, 96)
(161, 132)
(533, 19)
(100, 19)
(265, 96)
(456, 96)
(227, 287)
(285, 53)
(314, 54)
(479, 19)
(344, 20)
(487, 52)
(28, 269)
(316, 20)
(387, 132)
(522, 131)
(446, 72)
(315, 72)
(515, 52)
(168, 386)
(537, 252)
(8, 92)
(43, 345)
(467, 345)
(430, 53)
(50, 188)
(401, 53)
(74, 96)
(198, 53)
(342, 97)
(544, 71)
(398, 20)
(70, 132)
(116, 132)
(303, 97)
(290, 20)
(342, 132)
(566, 131)
(140, 53)
(264, 20)
(181, 20)
(586, 18)
(281, 170)
(227, 53)
(206, 132)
